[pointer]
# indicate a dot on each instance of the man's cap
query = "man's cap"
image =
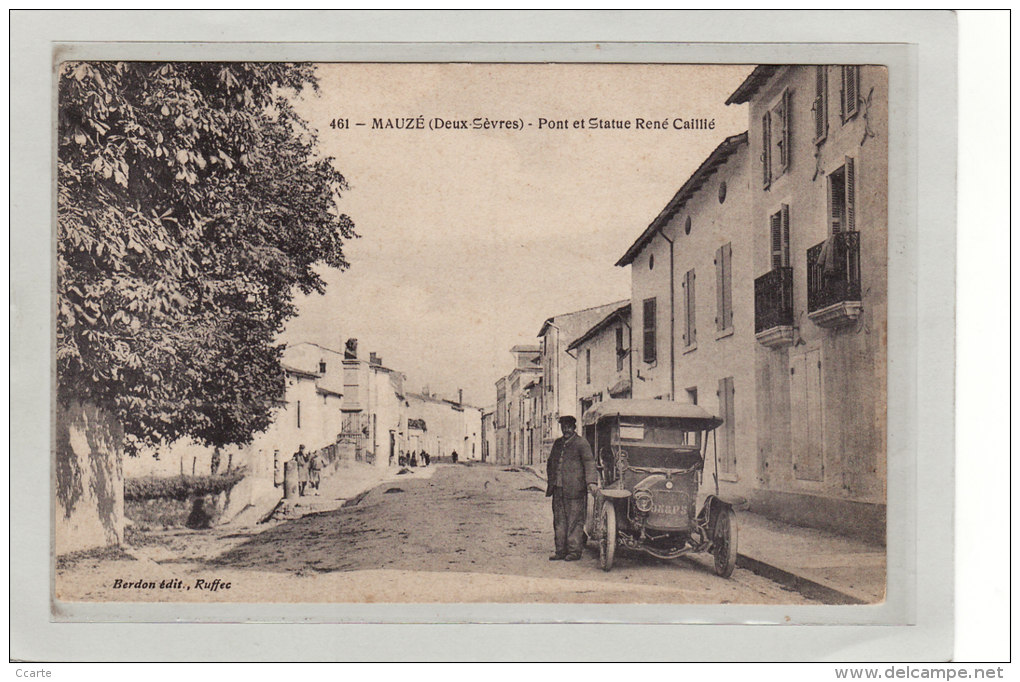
(568, 419)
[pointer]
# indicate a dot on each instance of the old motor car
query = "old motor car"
(650, 455)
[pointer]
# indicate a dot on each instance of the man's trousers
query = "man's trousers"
(568, 522)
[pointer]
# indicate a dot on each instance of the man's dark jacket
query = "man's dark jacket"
(572, 459)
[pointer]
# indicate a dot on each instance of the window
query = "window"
(724, 287)
(690, 328)
(587, 365)
(299, 414)
(849, 93)
(687, 225)
(649, 330)
(781, 123)
(619, 349)
(651, 261)
(779, 230)
(322, 366)
(692, 395)
(775, 139)
(820, 107)
(841, 198)
(728, 431)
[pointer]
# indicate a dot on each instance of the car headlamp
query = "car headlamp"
(643, 500)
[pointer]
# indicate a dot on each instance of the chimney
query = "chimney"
(351, 349)
(460, 396)
(374, 359)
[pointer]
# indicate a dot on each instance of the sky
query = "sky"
(470, 239)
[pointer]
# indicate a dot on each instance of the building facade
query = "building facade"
(819, 178)
(603, 360)
(693, 301)
(375, 411)
(514, 407)
(559, 368)
(443, 427)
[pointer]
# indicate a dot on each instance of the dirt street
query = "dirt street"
(465, 534)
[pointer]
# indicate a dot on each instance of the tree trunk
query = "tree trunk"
(89, 478)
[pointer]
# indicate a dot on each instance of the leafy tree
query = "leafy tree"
(191, 207)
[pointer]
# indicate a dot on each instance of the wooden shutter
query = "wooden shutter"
(785, 214)
(720, 283)
(728, 449)
(649, 330)
(727, 254)
(819, 107)
(619, 349)
(587, 365)
(776, 232)
(692, 331)
(850, 91)
(848, 179)
(836, 191)
(766, 151)
(785, 154)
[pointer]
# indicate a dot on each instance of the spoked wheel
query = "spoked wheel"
(607, 539)
(725, 542)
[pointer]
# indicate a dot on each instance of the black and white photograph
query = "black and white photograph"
(404, 332)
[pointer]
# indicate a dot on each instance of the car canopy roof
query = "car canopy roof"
(619, 407)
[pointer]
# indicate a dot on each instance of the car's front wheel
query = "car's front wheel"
(607, 540)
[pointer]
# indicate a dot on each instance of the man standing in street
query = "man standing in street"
(571, 476)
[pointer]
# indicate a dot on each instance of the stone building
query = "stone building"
(819, 178)
(693, 301)
(514, 408)
(559, 368)
(375, 411)
(603, 360)
(444, 426)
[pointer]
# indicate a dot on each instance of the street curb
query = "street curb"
(814, 588)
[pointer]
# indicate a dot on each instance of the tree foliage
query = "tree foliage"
(192, 205)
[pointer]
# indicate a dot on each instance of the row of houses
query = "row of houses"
(759, 292)
(358, 408)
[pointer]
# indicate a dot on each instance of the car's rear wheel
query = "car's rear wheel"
(607, 540)
(724, 542)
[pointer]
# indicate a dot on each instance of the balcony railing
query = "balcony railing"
(773, 300)
(834, 273)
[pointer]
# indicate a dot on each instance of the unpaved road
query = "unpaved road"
(466, 534)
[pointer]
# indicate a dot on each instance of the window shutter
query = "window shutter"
(835, 205)
(787, 115)
(849, 180)
(819, 105)
(785, 213)
(692, 330)
(649, 329)
(776, 228)
(851, 90)
(727, 253)
(766, 152)
(720, 306)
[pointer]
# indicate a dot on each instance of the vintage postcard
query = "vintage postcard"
(609, 349)
(471, 332)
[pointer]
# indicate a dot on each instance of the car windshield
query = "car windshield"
(663, 443)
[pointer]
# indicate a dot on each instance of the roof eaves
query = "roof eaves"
(752, 84)
(600, 325)
(718, 157)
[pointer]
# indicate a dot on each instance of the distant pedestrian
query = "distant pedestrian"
(454, 456)
(414, 459)
(425, 457)
(315, 465)
(301, 460)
